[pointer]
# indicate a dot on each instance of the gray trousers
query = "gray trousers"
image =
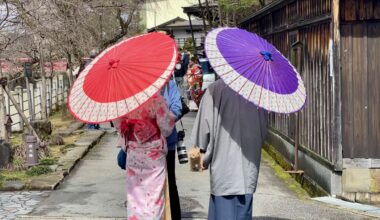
(237, 207)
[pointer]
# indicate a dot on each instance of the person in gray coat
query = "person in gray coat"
(230, 132)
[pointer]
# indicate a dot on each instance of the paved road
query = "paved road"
(13, 204)
(96, 189)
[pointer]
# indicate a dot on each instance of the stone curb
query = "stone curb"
(68, 131)
(65, 165)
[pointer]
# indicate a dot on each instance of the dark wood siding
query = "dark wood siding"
(315, 124)
(359, 10)
(308, 23)
(361, 90)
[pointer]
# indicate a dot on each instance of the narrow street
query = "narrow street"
(96, 189)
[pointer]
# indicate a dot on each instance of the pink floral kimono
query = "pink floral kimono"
(144, 133)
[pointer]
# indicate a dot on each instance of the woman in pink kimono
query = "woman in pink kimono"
(143, 132)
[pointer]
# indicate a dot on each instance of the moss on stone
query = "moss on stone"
(308, 186)
(285, 177)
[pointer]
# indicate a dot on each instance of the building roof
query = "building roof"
(172, 21)
(179, 23)
(195, 22)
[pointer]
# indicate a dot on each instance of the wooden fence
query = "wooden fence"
(306, 23)
(56, 96)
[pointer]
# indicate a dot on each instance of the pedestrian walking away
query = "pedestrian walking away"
(173, 100)
(142, 132)
(229, 132)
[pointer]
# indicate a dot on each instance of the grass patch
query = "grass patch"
(16, 139)
(48, 161)
(17, 170)
(57, 151)
(58, 122)
(13, 175)
(18, 162)
(38, 170)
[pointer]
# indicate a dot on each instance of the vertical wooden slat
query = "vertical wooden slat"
(313, 102)
(309, 90)
(369, 8)
(376, 10)
(347, 95)
(360, 95)
(315, 92)
(329, 99)
(326, 84)
(322, 88)
(336, 88)
(374, 89)
(361, 10)
(320, 70)
(350, 10)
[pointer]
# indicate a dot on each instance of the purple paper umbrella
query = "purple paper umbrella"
(255, 69)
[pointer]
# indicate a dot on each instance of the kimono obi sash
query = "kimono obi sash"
(140, 130)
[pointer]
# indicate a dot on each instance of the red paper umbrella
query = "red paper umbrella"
(123, 77)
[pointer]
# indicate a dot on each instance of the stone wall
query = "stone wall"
(361, 185)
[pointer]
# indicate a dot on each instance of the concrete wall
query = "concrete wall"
(358, 182)
(320, 172)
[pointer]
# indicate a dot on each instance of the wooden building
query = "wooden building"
(335, 44)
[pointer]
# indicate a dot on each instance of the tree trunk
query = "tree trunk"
(43, 88)
(70, 70)
(67, 82)
(203, 17)
(220, 14)
(3, 130)
(227, 19)
(234, 17)
(208, 15)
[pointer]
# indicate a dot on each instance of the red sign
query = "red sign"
(8, 67)
(58, 66)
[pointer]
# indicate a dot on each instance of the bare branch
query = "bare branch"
(6, 14)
